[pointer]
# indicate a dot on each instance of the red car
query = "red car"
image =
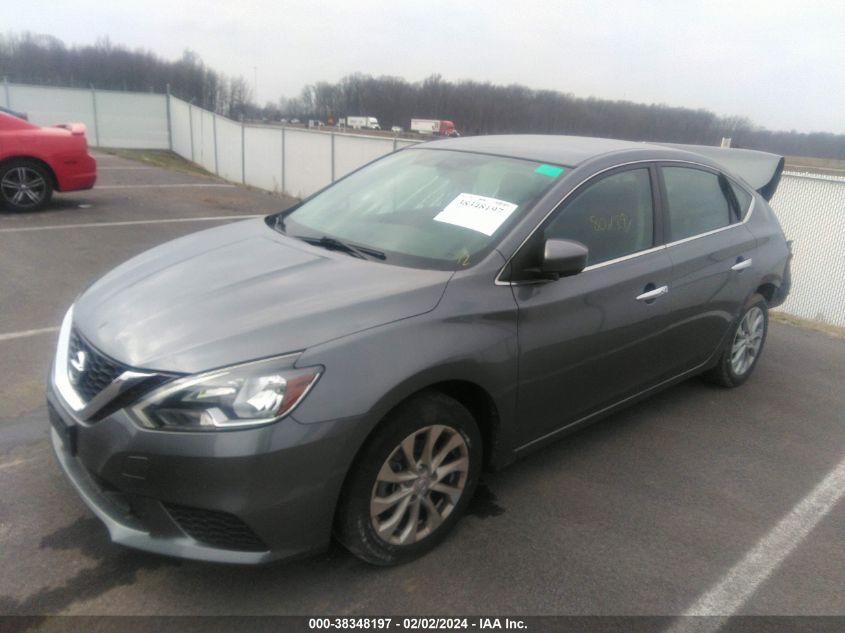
(36, 161)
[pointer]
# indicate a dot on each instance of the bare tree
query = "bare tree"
(476, 108)
(45, 60)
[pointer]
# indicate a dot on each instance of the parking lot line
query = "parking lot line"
(88, 225)
(125, 168)
(168, 186)
(24, 333)
(15, 462)
(736, 587)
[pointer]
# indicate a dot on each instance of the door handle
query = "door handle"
(742, 264)
(653, 294)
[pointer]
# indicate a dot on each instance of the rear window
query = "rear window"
(696, 200)
(743, 199)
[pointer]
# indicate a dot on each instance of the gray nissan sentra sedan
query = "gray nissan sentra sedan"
(350, 365)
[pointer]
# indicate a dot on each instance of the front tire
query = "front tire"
(25, 185)
(411, 482)
(740, 356)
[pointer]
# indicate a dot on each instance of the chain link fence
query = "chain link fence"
(811, 210)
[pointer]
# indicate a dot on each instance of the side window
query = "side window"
(743, 198)
(612, 217)
(696, 202)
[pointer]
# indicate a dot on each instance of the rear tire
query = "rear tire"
(746, 343)
(411, 482)
(25, 185)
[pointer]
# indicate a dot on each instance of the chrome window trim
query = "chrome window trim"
(719, 230)
(623, 258)
(746, 213)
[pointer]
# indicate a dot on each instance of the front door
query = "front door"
(590, 340)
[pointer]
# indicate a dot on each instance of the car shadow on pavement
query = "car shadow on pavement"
(115, 566)
(56, 205)
(484, 503)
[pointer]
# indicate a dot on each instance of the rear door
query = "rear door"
(590, 340)
(712, 253)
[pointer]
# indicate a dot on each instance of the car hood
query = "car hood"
(240, 292)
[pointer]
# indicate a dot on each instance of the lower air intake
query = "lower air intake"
(218, 529)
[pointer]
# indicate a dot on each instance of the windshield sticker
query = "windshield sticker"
(549, 170)
(477, 213)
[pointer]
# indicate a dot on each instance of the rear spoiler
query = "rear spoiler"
(761, 170)
(77, 129)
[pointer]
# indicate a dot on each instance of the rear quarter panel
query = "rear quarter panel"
(772, 252)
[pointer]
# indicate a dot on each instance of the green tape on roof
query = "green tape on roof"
(549, 170)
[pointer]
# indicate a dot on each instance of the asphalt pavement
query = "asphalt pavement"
(699, 500)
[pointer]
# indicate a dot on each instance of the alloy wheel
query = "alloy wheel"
(23, 187)
(419, 484)
(747, 341)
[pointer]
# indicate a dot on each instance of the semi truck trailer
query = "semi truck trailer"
(433, 127)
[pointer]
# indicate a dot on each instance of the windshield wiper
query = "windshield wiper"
(355, 250)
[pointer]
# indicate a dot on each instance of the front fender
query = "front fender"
(369, 373)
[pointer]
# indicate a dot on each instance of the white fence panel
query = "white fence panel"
(263, 157)
(229, 160)
(350, 151)
(179, 128)
(195, 118)
(810, 209)
(49, 106)
(308, 162)
(203, 129)
(131, 120)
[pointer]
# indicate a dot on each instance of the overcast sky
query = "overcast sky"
(782, 64)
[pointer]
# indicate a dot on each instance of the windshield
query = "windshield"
(425, 208)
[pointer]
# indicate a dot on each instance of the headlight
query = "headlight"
(232, 397)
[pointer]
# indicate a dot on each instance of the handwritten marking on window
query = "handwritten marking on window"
(617, 222)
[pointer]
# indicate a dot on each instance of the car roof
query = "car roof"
(568, 151)
(760, 170)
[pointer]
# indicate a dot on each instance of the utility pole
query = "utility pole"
(255, 84)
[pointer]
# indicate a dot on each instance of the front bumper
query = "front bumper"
(247, 496)
(126, 529)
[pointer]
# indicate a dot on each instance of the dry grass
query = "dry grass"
(817, 326)
(159, 158)
(824, 166)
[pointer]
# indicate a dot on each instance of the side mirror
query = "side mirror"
(564, 257)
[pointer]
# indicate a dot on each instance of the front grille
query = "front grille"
(99, 370)
(218, 529)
